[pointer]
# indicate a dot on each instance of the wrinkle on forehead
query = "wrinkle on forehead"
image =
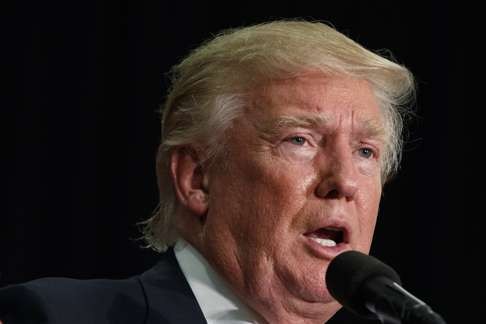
(309, 90)
(318, 102)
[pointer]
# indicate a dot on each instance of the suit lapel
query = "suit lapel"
(169, 297)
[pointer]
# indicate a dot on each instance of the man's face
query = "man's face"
(300, 184)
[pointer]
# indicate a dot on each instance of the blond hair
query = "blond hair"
(210, 88)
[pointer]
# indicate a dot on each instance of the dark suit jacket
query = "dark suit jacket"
(159, 296)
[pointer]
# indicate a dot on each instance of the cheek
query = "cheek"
(275, 176)
(369, 213)
(370, 168)
(285, 185)
(262, 195)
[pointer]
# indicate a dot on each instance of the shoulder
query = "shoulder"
(62, 300)
(156, 296)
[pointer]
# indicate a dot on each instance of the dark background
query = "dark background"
(88, 79)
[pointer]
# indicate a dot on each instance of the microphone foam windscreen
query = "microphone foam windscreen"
(348, 271)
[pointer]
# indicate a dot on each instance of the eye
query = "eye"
(297, 140)
(366, 152)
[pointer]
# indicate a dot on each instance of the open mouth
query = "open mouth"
(327, 236)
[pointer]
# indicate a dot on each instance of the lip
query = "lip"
(324, 252)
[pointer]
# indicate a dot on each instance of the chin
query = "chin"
(302, 312)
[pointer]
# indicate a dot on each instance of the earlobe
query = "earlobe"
(190, 181)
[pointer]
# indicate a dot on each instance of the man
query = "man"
(276, 142)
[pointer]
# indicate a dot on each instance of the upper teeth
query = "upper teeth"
(324, 242)
(334, 229)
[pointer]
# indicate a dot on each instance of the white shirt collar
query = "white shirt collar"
(216, 300)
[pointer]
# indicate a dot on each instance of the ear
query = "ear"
(190, 180)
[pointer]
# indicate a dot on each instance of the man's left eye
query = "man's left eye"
(366, 152)
(297, 140)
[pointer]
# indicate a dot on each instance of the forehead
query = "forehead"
(326, 99)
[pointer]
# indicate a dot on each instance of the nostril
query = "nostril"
(329, 193)
(333, 194)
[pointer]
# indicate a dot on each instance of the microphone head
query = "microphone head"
(346, 274)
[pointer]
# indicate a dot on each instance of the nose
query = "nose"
(338, 176)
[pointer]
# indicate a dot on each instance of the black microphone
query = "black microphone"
(369, 288)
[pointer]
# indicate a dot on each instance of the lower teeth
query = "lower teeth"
(324, 242)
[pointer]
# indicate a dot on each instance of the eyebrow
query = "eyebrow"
(273, 127)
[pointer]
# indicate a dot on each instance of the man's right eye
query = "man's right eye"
(298, 147)
(297, 140)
